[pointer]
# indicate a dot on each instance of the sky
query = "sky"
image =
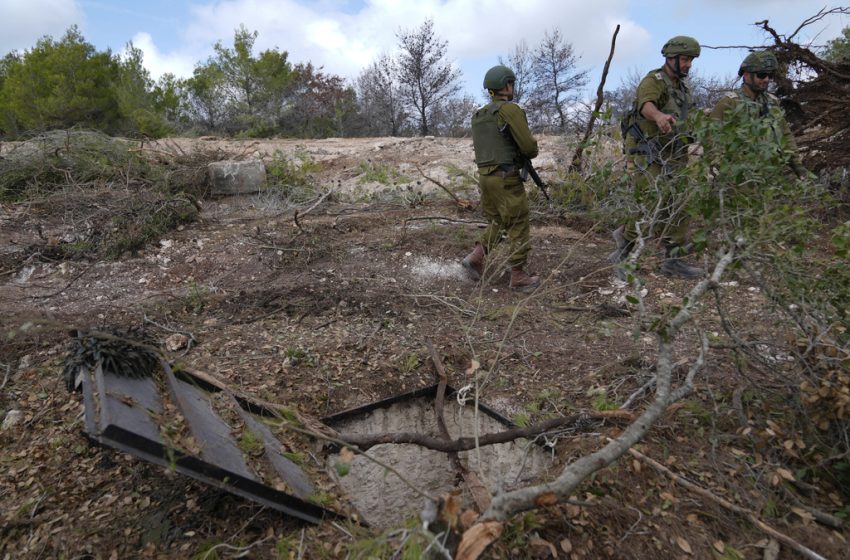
(345, 36)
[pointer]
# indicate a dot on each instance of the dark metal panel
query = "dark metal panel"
(430, 391)
(154, 452)
(289, 472)
(210, 432)
(128, 402)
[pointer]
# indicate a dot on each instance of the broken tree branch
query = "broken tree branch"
(365, 441)
(559, 489)
(600, 91)
(480, 494)
(808, 553)
(446, 189)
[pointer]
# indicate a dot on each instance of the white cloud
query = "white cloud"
(329, 35)
(158, 63)
(22, 23)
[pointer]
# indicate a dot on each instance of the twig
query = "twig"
(821, 517)
(808, 553)
(632, 528)
(450, 193)
(6, 376)
(638, 393)
(576, 163)
(443, 218)
(241, 551)
(68, 285)
(480, 494)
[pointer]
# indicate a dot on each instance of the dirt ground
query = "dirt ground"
(334, 310)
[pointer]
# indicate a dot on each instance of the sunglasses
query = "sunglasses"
(763, 75)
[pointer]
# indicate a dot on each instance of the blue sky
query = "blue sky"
(344, 36)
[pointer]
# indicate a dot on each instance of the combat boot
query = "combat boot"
(675, 266)
(522, 282)
(624, 247)
(474, 262)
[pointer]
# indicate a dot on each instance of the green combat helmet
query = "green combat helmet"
(759, 61)
(681, 44)
(498, 77)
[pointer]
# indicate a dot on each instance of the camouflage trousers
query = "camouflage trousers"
(669, 224)
(505, 205)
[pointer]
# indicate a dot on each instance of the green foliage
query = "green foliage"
(57, 159)
(375, 172)
(518, 530)
(601, 402)
(59, 84)
(838, 49)
(196, 298)
(342, 468)
(250, 443)
(297, 356)
(295, 172)
(67, 83)
(521, 419)
(410, 362)
(407, 543)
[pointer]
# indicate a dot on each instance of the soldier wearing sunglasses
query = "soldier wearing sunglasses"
(756, 72)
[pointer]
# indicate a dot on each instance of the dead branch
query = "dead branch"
(6, 376)
(365, 441)
(436, 182)
(576, 163)
(728, 505)
(480, 494)
(820, 516)
(68, 285)
(817, 17)
(510, 503)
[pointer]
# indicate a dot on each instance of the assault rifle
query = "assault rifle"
(528, 169)
(649, 148)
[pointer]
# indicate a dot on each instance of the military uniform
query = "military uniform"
(501, 137)
(502, 143)
(654, 156)
(766, 106)
(657, 155)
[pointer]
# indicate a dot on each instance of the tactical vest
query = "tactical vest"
(679, 101)
(764, 106)
(493, 144)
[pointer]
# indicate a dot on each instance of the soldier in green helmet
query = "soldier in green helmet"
(501, 138)
(756, 71)
(656, 145)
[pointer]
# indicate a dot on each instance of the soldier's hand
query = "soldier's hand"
(665, 122)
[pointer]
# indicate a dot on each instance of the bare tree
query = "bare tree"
(452, 118)
(379, 98)
(557, 80)
(425, 76)
(520, 62)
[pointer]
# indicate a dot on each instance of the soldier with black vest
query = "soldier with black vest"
(502, 140)
(756, 71)
(657, 147)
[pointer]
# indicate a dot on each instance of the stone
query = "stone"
(176, 342)
(12, 419)
(236, 177)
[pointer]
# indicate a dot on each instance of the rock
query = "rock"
(25, 363)
(176, 342)
(236, 177)
(13, 418)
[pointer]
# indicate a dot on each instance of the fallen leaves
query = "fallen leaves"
(478, 538)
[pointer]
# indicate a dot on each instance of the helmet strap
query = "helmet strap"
(677, 68)
(752, 83)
